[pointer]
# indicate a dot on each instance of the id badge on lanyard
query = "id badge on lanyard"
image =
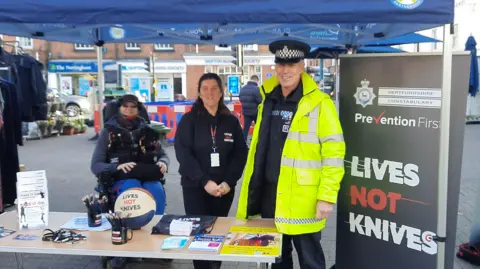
(214, 156)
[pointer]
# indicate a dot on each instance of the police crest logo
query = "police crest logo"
(364, 95)
(407, 4)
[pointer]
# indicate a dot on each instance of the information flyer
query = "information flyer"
(252, 241)
(32, 199)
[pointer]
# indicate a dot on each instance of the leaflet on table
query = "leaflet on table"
(81, 224)
(176, 242)
(204, 242)
(252, 241)
(182, 228)
(32, 199)
(5, 232)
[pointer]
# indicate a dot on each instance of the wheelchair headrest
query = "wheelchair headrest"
(113, 108)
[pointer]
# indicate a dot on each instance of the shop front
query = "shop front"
(170, 78)
(261, 65)
(74, 77)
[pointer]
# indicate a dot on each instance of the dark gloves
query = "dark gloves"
(141, 172)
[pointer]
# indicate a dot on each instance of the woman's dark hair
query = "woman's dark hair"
(198, 105)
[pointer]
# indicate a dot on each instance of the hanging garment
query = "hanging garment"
(10, 138)
(33, 89)
(9, 70)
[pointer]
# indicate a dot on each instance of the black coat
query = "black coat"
(10, 137)
(32, 88)
(250, 98)
(193, 147)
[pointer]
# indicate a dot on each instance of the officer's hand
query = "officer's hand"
(163, 167)
(126, 167)
(212, 189)
(224, 188)
(324, 209)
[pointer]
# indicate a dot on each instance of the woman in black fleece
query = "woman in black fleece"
(211, 151)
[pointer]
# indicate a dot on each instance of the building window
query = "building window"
(219, 48)
(455, 36)
(253, 47)
(250, 47)
(226, 70)
(25, 42)
(83, 47)
(159, 46)
(132, 46)
(209, 69)
(250, 70)
(435, 36)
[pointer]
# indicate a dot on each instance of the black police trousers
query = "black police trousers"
(308, 247)
(197, 201)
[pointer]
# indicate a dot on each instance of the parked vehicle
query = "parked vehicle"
(75, 105)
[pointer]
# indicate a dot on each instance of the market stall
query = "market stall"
(206, 22)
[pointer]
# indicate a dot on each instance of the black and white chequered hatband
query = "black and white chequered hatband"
(287, 53)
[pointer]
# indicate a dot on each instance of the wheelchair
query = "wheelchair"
(105, 181)
(104, 186)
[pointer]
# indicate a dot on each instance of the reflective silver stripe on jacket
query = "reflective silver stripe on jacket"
(297, 221)
(311, 136)
(300, 163)
(332, 162)
(332, 138)
(301, 137)
(313, 122)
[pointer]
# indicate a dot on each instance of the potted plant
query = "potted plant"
(68, 128)
(76, 128)
(51, 124)
(83, 126)
(42, 127)
(59, 123)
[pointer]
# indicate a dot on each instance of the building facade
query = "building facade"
(72, 68)
(466, 22)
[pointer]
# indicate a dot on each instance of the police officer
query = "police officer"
(295, 163)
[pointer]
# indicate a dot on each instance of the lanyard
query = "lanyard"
(213, 131)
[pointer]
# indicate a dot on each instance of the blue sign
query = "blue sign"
(269, 75)
(141, 88)
(134, 84)
(75, 66)
(145, 93)
(234, 85)
(164, 90)
(84, 86)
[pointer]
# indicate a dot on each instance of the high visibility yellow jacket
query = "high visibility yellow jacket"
(311, 165)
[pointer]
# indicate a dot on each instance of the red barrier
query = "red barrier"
(96, 119)
(170, 115)
(237, 110)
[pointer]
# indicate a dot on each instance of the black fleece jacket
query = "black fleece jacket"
(193, 148)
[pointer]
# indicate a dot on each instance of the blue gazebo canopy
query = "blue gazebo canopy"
(108, 12)
(318, 22)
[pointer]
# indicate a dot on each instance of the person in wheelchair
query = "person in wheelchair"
(130, 152)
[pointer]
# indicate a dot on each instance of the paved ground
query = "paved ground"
(66, 160)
